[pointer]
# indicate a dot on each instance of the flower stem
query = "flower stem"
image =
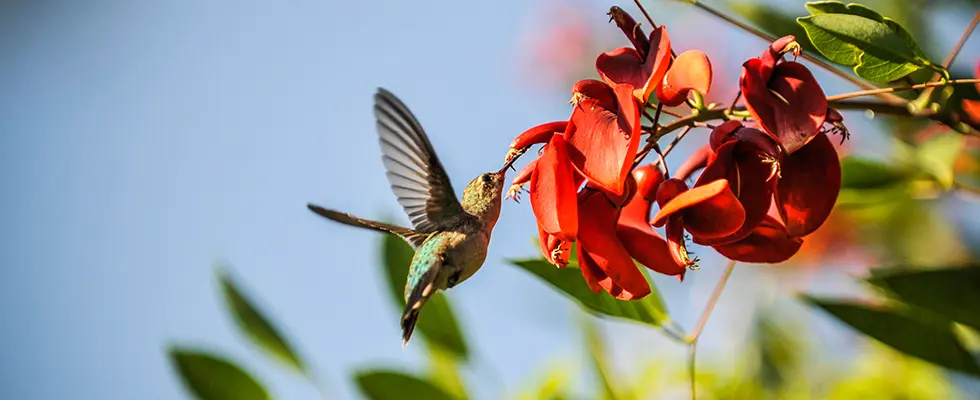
(900, 88)
(692, 340)
(887, 96)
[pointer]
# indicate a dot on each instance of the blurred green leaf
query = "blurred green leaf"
(649, 310)
(916, 335)
(444, 371)
(951, 292)
(937, 156)
(773, 21)
(255, 325)
(552, 385)
(393, 385)
(879, 48)
(597, 354)
(209, 377)
(865, 173)
(437, 322)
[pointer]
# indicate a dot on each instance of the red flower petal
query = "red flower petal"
(723, 133)
(769, 242)
(553, 191)
(808, 188)
(594, 277)
(691, 70)
(714, 210)
(625, 65)
(642, 242)
(596, 90)
(538, 134)
(675, 240)
(554, 250)
(597, 238)
(744, 164)
(606, 142)
(775, 50)
(796, 114)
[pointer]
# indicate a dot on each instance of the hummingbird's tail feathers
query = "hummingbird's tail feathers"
(412, 237)
(420, 294)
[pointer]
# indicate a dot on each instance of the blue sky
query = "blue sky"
(144, 141)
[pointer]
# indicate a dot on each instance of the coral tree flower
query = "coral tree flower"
(709, 211)
(800, 189)
(783, 96)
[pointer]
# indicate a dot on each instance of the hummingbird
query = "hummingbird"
(450, 238)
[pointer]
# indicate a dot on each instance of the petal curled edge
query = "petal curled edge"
(808, 188)
(597, 238)
(714, 211)
(552, 191)
(554, 250)
(691, 70)
(643, 72)
(769, 243)
(538, 134)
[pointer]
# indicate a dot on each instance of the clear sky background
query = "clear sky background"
(142, 142)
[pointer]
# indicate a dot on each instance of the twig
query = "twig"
(653, 25)
(692, 340)
(663, 162)
(900, 88)
(734, 102)
(891, 98)
(669, 147)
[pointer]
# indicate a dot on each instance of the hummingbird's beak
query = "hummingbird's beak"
(512, 156)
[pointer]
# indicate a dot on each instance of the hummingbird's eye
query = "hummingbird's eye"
(486, 179)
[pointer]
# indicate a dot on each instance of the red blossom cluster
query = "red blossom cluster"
(765, 184)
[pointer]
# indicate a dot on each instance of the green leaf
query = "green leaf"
(879, 48)
(437, 321)
(917, 335)
(649, 310)
(552, 384)
(865, 173)
(950, 292)
(444, 371)
(393, 385)
(597, 353)
(210, 377)
(937, 156)
(255, 325)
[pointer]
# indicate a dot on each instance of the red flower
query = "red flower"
(708, 211)
(783, 96)
(972, 107)
(803, 185)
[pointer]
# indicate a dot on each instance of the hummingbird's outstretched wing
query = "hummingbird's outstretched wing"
(414, 171)
(412, 237)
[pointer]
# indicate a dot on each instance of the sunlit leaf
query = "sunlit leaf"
(915, 334)
(210, 377)
(649, 310)
(951, 292)
(393, 385)
(258, 328)
(437, 322)
(879, 48)
(937, 156)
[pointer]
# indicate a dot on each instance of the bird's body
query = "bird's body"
(450, 237)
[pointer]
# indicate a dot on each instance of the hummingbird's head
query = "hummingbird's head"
(483, 195)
